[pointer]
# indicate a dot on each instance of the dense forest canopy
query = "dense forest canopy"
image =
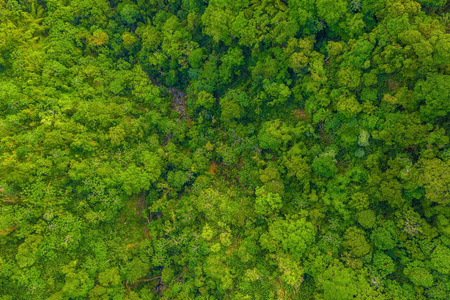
(222, 149)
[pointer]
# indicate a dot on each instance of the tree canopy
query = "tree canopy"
(256, 149)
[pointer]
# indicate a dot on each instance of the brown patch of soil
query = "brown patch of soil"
(212, 168)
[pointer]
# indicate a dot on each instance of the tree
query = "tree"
(355, 241)
(418, 274)
(384, 263)
(267, 204)
(217, 23)
(366, 218)
(330, 17)
(440, 259)
(385, 237)
(298, 167)
(273, 135)
(436, 180)
(230, 109)
(338, 282)
(433, 94)
(292, 236)
(129, 13)
(325, 165)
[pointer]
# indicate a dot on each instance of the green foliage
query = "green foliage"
(385, 237)
(339, 283)
(434, 95)
(273, 135)
(291, 236)
(366, 218)
(267, 204)
(440, 259)
(384, 263)
(419, 274)
(259, 149)
(325, 165)
(435, 180)
(129, 13)
(355, 241)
